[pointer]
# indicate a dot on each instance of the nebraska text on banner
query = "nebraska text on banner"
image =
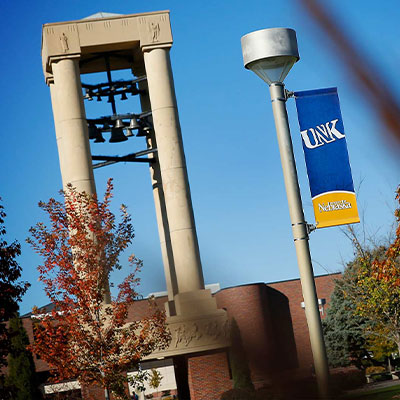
(327, 160)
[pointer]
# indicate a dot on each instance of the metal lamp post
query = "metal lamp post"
(271, 53)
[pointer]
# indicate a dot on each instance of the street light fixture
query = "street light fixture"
(271, 53)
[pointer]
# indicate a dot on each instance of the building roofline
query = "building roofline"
(297, 279)
(48, 306)
(272, 283)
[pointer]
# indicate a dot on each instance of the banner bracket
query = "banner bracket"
(288, 94)
(310, 228)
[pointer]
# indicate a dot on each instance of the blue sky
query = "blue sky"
(228, 131)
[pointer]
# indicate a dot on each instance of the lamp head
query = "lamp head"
(270, 53)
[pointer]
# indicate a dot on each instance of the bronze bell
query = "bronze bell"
(145, 128)
(99, 138)
(95, 133)
(117, 133)
(134, 124)
(128, 132)
(92, 129)
(119, 124)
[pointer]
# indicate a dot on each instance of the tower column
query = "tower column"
(173, 171)
(71, 126)
(159, 201)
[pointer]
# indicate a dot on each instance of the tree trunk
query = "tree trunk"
(398, 347)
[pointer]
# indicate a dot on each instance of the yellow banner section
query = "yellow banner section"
(335, 208)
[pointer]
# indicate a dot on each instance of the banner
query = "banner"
(327, 160)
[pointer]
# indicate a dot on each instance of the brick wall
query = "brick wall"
(263, 318)
(92, 393)
(272, 324)
(292, 289)
(208, 376)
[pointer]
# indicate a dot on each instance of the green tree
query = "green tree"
(21, 369)
(344, 330)
(362, 326)
(376, 292)
(11, 291)
(364, 314)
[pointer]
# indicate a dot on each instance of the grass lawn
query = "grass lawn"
(377, 394)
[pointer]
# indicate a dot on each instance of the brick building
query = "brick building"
(273, 331)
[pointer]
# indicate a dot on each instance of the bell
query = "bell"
(134, 89)
(119, 124)
(143, 131)
(134, 124)
(117, 135)
(145, 128)
(128, 132)
(93, 131)
(98, 97)
(88, 95)
(123, 96)
(99, 138)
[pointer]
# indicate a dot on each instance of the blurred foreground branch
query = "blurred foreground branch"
(367, 76)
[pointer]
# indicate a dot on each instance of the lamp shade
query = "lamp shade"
(270, 53)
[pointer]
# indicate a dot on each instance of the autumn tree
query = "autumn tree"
(376, 290)
(11, 292)
(83, 337)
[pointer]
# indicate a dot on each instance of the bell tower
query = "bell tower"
(141, 44)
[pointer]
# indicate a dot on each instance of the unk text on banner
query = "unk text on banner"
(327, 160)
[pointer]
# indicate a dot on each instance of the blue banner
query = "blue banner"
(327, 160)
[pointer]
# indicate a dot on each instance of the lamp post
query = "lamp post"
(271, 53)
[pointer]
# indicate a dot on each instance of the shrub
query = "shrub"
(375, 369)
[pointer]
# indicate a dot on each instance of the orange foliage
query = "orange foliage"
(83, 337)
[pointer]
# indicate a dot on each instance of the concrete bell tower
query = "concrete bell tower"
(143, 42)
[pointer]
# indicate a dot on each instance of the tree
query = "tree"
(344, 330)
(362, 325)
(377, 288)
(83, 338)
(11, 291)
(21, 368)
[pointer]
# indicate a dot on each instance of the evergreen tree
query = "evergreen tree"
(11, 291)
(344, 331)
(21, 369)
